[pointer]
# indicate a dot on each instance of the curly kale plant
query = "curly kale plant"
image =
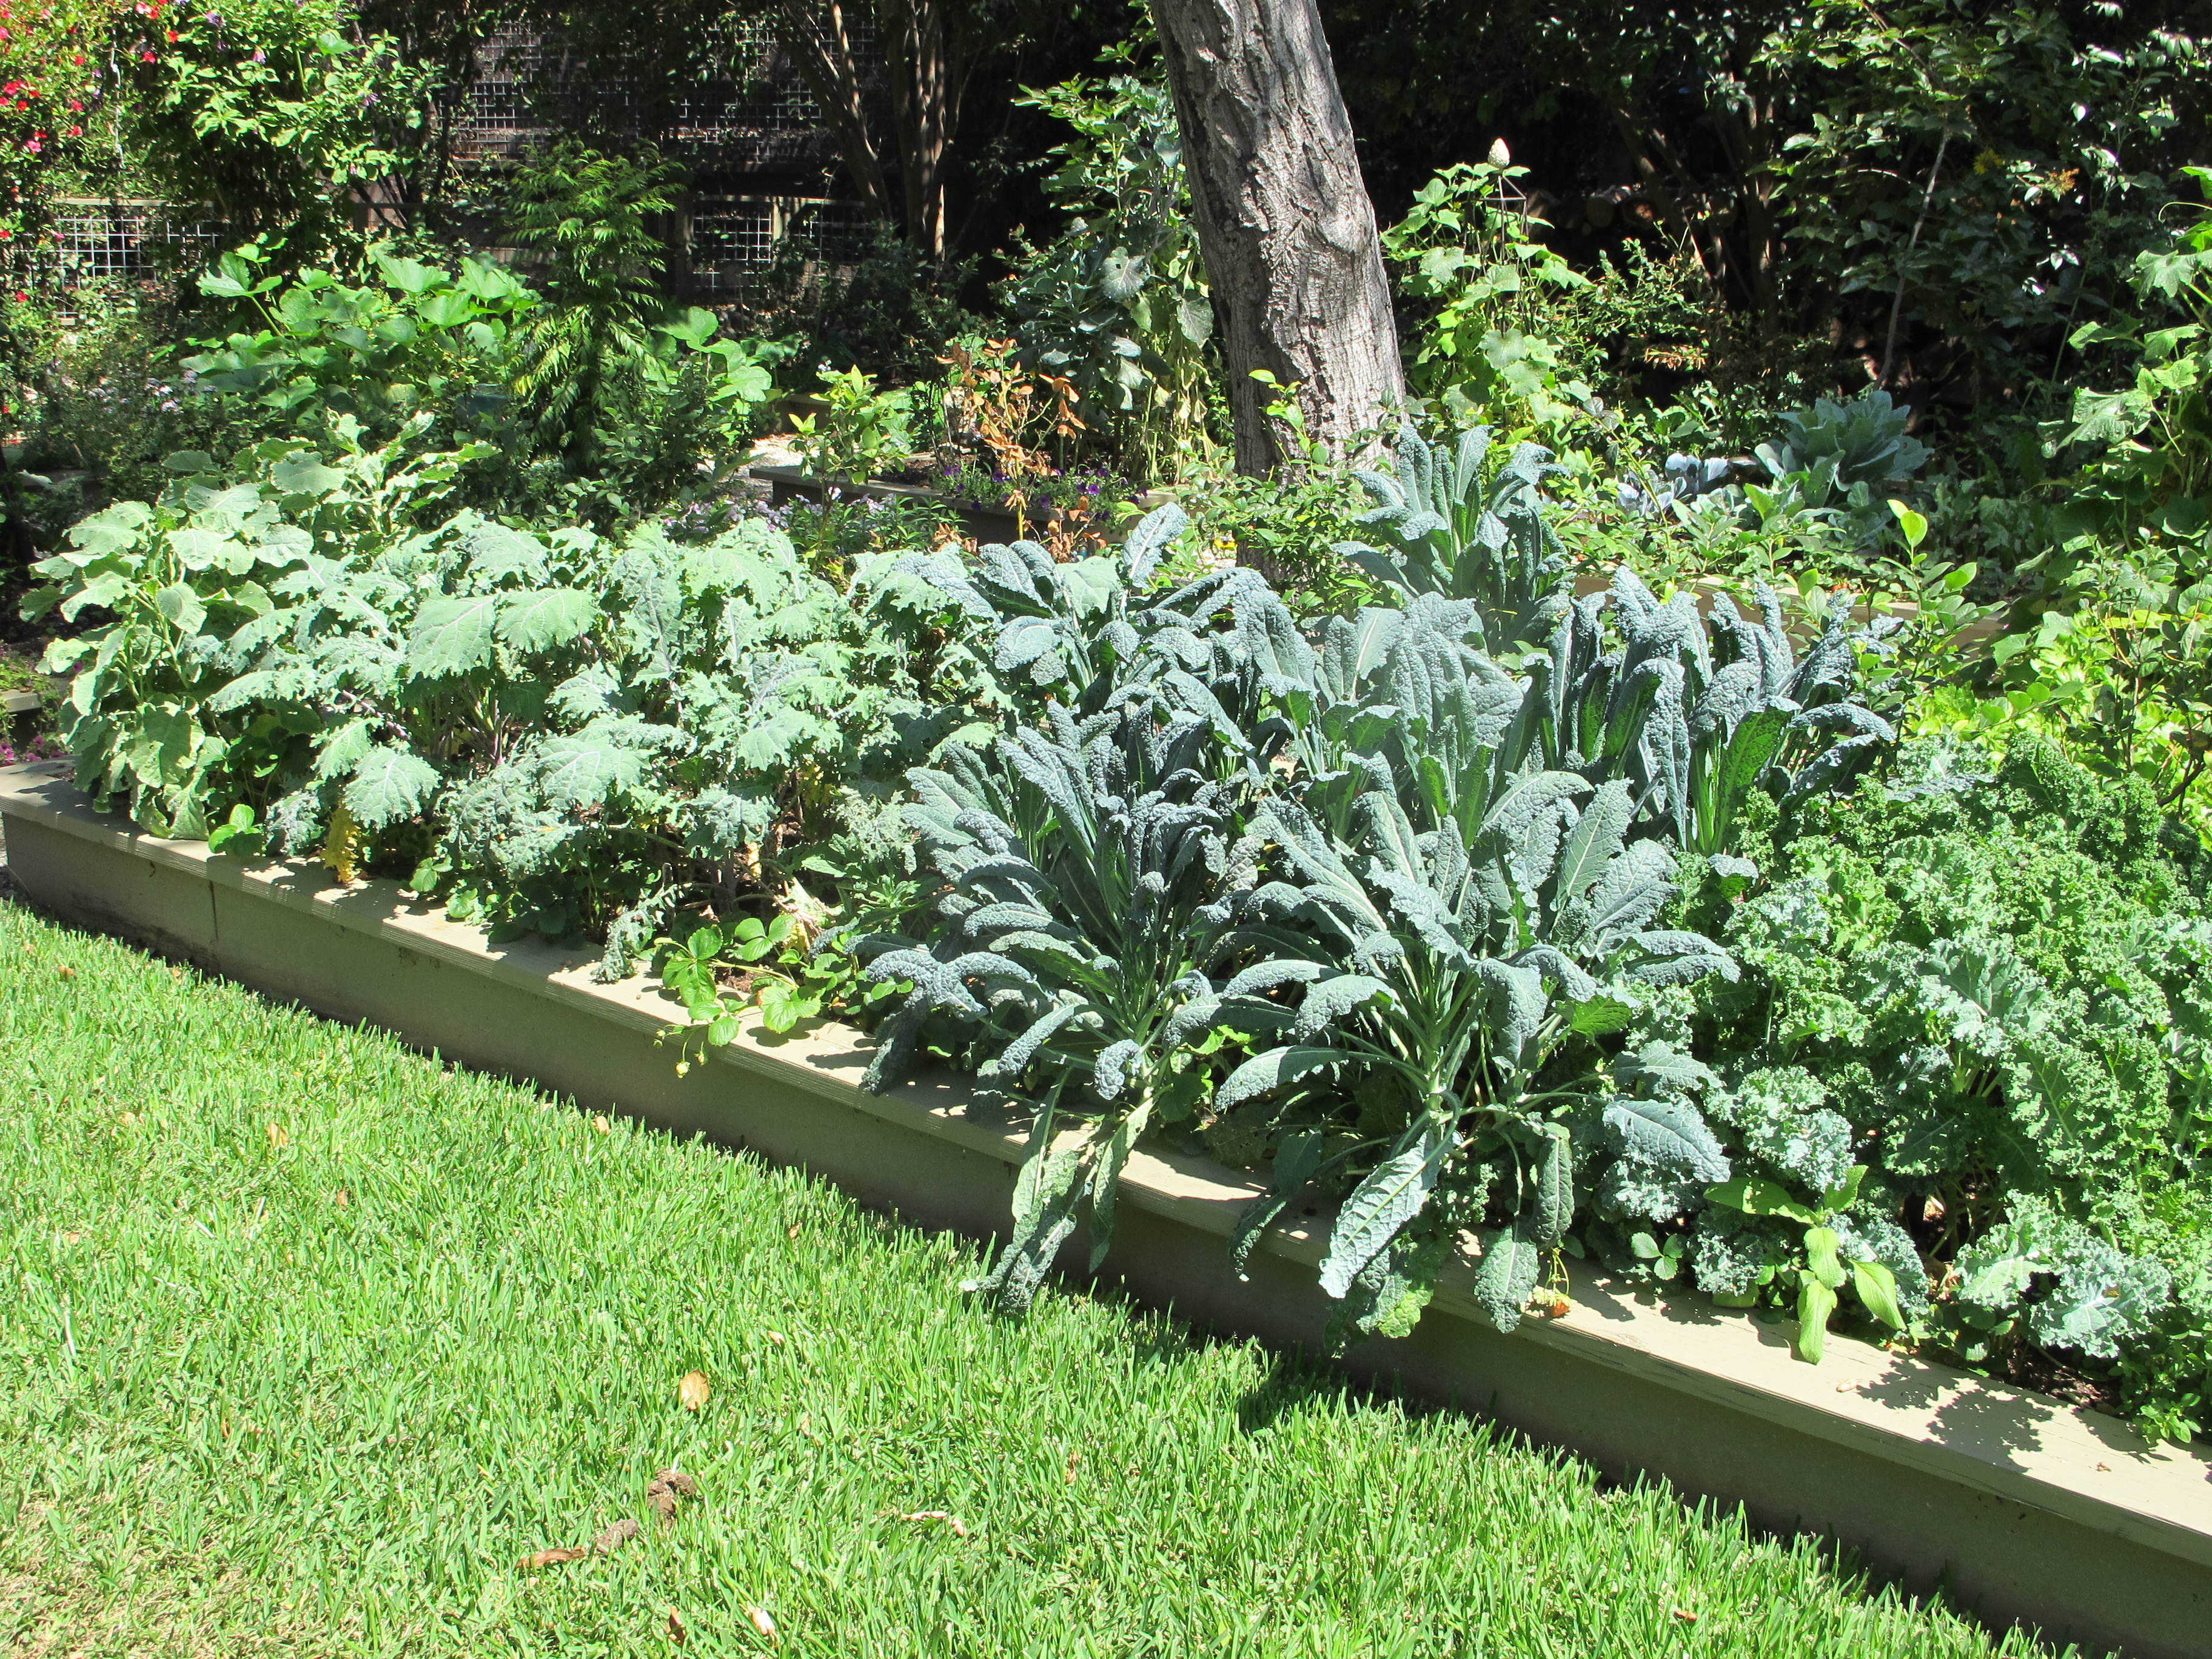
(1992, 998)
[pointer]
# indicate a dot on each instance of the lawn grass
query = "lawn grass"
(305, 1340)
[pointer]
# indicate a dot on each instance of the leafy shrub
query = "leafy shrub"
(861, 433)
(415, 339)
(1488, 346)
(1118, 302)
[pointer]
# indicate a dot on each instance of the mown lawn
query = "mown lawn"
(305, 1341)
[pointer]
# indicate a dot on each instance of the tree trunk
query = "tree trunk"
(1284, 221)
(815, 36)
(925, 85)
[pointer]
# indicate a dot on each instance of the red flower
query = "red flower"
(76, 132)
(149, 57)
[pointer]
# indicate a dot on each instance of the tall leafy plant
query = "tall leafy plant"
(588, 214)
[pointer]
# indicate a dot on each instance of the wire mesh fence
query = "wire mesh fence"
(126, 240)
(734, 236)
(758, 112)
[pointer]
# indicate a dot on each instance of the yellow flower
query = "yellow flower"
(1989, 161)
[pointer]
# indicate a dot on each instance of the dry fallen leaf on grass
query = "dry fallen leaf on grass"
(676, 1630)
(279, 1135)
(538, 1558)
(693, 1390)
(615, 1536)
(776, 1337)
(1073, 1458)
(599, 1123)
(792, 1231)
(666, 1489)
(959, 1528)
(66, 971)
(610, 1540)
(761, 1622)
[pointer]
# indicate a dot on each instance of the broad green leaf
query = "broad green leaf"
(549, 616)
(1511, 1263)
(181, 606)
(1598, 1015)
(1393, 1193)
(389, 784)
(197, 548)
(304, 474)
(1754, 1196)
(1265, 1074)
(1820, 1258)
(583, 769)
(1815, 1302)
(452, 635)
(1877, 1288)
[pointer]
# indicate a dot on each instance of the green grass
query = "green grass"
(304, 1341)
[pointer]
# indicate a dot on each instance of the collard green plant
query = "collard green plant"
(1865, 441)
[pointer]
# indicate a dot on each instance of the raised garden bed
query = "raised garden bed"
(2023, 1508)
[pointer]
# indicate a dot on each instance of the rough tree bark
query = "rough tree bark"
(924, 60)
(1283, 216)
(816, 37)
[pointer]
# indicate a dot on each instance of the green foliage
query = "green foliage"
(1939, 164)
(1439, 897)
(588, 213)
(2119, 673)
(182, 583)
(1995, 986)
(2148, 476)
(1486, 289)
(1077, 863)
(861, 433)
(1457, 527)
(414, 338)
(279, 114)
(1118, 302)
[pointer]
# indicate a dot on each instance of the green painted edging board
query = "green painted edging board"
(2024, 1508)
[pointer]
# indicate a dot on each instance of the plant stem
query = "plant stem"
(1896, 303)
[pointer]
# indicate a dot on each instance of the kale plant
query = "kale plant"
(1079, 864)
